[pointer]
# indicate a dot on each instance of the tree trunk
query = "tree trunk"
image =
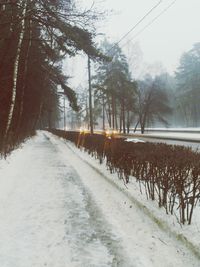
(50, 119)
(90, 97)
(128, 121)
(142, 127)
(38, 118)
(123, 116)
(16, 68)
(24, 77)
(116, 122)
(120, 121)
(109, 114)
(113, 112)
(136, 125)
(103, 113)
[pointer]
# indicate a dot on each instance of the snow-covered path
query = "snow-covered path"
(56, 211)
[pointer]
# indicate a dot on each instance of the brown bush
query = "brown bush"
(167, 173)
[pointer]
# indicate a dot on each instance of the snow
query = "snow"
(179, 135)
(183, 139)
(134, 140)
(171, 129)
(190, 234)
(171, 135)
(60, 208)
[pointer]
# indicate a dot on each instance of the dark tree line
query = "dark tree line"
(35, 36)
(115, 89)
(187, 89)
(121, 102)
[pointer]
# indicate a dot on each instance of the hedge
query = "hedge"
(169, 174)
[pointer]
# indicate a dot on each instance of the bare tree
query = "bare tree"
(152, 103)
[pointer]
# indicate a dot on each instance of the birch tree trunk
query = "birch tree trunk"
(16, 68)
(24, 77)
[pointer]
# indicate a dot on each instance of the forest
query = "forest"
(37, 36)
(123, 102)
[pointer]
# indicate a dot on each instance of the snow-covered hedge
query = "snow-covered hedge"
(169, 174)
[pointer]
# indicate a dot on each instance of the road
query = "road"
(56, 211)
(184, 137)
(187, 140)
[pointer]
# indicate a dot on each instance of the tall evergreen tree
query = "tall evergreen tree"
(35, 36)
(117, 89)
(188, 79)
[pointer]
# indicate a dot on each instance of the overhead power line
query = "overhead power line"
(151, 22)
(133, 28)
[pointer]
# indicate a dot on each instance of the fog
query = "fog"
(154, 47)
(163, 42)
(166, 39)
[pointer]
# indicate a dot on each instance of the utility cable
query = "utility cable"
(150, 23)
(146, 15)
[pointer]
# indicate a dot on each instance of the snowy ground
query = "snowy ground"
(189, 136)
(171, 129)
(57, 211)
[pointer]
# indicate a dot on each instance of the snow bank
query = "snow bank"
(134, 140)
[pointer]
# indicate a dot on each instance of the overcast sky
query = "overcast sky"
(166, 39)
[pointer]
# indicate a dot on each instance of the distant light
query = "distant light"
(108, 133)
(81, 130)
(114, 132)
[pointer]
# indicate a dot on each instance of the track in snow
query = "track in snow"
(55, 211)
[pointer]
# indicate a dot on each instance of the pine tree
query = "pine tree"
(35, 36)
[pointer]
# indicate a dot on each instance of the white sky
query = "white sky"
(166, 39)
